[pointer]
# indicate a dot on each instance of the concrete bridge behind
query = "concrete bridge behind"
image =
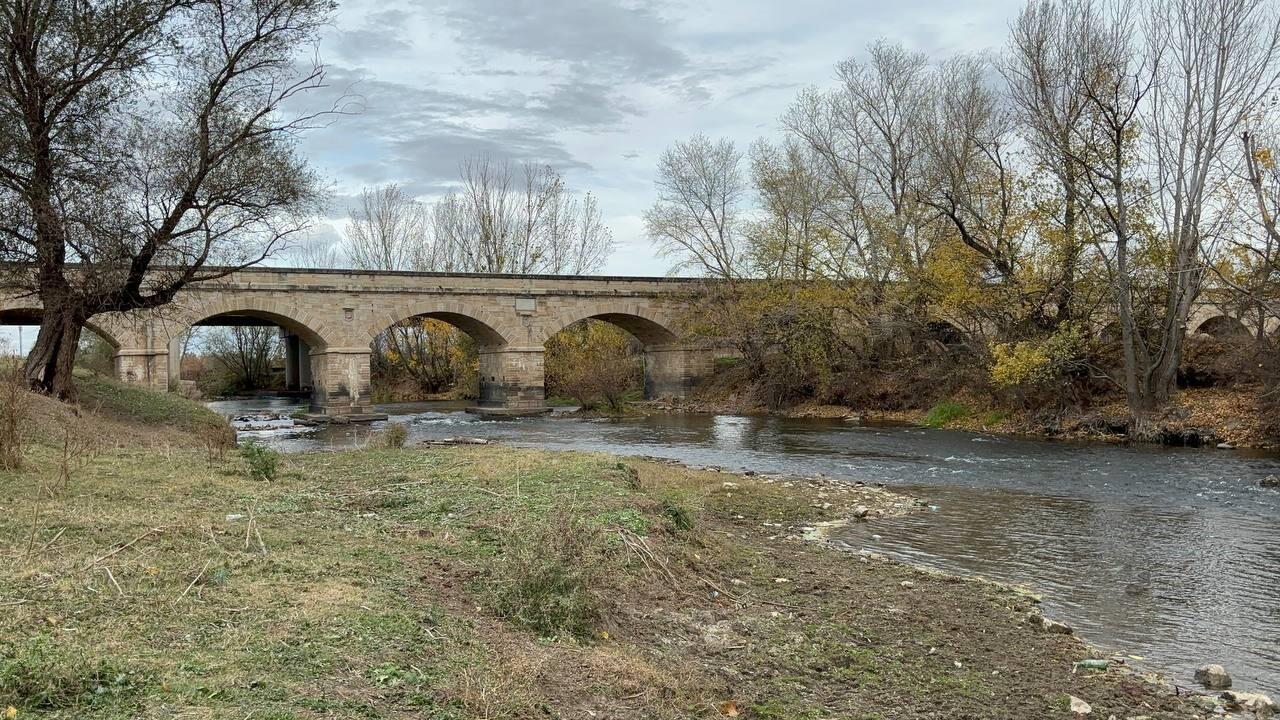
(330, 318)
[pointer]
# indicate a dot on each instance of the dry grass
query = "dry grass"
(484, 582)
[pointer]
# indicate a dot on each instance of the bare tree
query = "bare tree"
(144, 145)
(1221, 61)
(970, 177)
(869, 136)
(506, 219)
(792, 240)
(1165, 93)
(1045, 85)
(315, 251)
(388, 230)
(247, 354)
(1255, 248)
(696, 219)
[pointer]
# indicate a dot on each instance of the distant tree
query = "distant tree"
(316, 251)
(245, 354)
(698, 215)
(145, 145)
(1045, 82)
(388, 230)
(792, 240)
(517, 219)
(594, 362)
(431, 353)
(96, 355)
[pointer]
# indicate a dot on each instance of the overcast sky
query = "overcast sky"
(596, 88)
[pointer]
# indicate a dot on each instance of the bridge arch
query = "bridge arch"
(671, 367)
(311, 329)
(1222, 327)
(650, 327)
(10, 315)
(482, 326)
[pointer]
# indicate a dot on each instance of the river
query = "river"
(1171, 555)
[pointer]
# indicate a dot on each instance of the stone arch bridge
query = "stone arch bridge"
(330, 317)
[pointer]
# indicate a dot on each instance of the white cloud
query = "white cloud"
(596, 88)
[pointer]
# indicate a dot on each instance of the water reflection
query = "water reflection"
(1169, 554)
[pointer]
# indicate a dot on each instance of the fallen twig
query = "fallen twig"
(129, 544)
(193, 582)
(52, 541)
(112, 578)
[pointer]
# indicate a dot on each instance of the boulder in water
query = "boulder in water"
(1213, 677)
(1270, 481)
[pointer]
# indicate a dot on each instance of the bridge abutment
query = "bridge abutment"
(340, 382)
(143, 366)
(672, 371)
(512, 379)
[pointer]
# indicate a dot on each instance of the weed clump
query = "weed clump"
(678, 515)
(550, 577)
(263, 461)
(43, 674)
(394, 435)
(15, 405)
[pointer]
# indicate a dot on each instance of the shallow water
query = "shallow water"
(1168, 554)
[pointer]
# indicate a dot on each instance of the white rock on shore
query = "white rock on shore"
(1054, 626)
(1260, 705)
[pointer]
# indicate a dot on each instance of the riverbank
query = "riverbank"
(464, 582)
(1194, 417)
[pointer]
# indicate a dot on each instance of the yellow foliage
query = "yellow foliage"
(1031, 362)
(1265, 158)
(1022, 363)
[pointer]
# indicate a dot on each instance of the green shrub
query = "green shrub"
(945, 413)
(44, 674)
(549, 578)
(263, 461)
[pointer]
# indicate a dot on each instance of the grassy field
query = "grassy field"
(489, 582)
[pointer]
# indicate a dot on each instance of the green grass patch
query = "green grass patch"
(945, 413)
(133, 403)
(47, 674)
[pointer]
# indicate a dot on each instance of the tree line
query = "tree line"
(1060, 205)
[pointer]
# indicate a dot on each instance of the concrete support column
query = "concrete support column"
(293, 360)
(304, 366)
(341, 381)
(512, 378)
(175, 363)
(143, 366)
(672, 371)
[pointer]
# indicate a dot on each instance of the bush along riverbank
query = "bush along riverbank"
(1203, 417)
(488, 582)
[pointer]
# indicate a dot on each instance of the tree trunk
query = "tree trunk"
(53, 356)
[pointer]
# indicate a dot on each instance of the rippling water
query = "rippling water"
(1169, 554)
